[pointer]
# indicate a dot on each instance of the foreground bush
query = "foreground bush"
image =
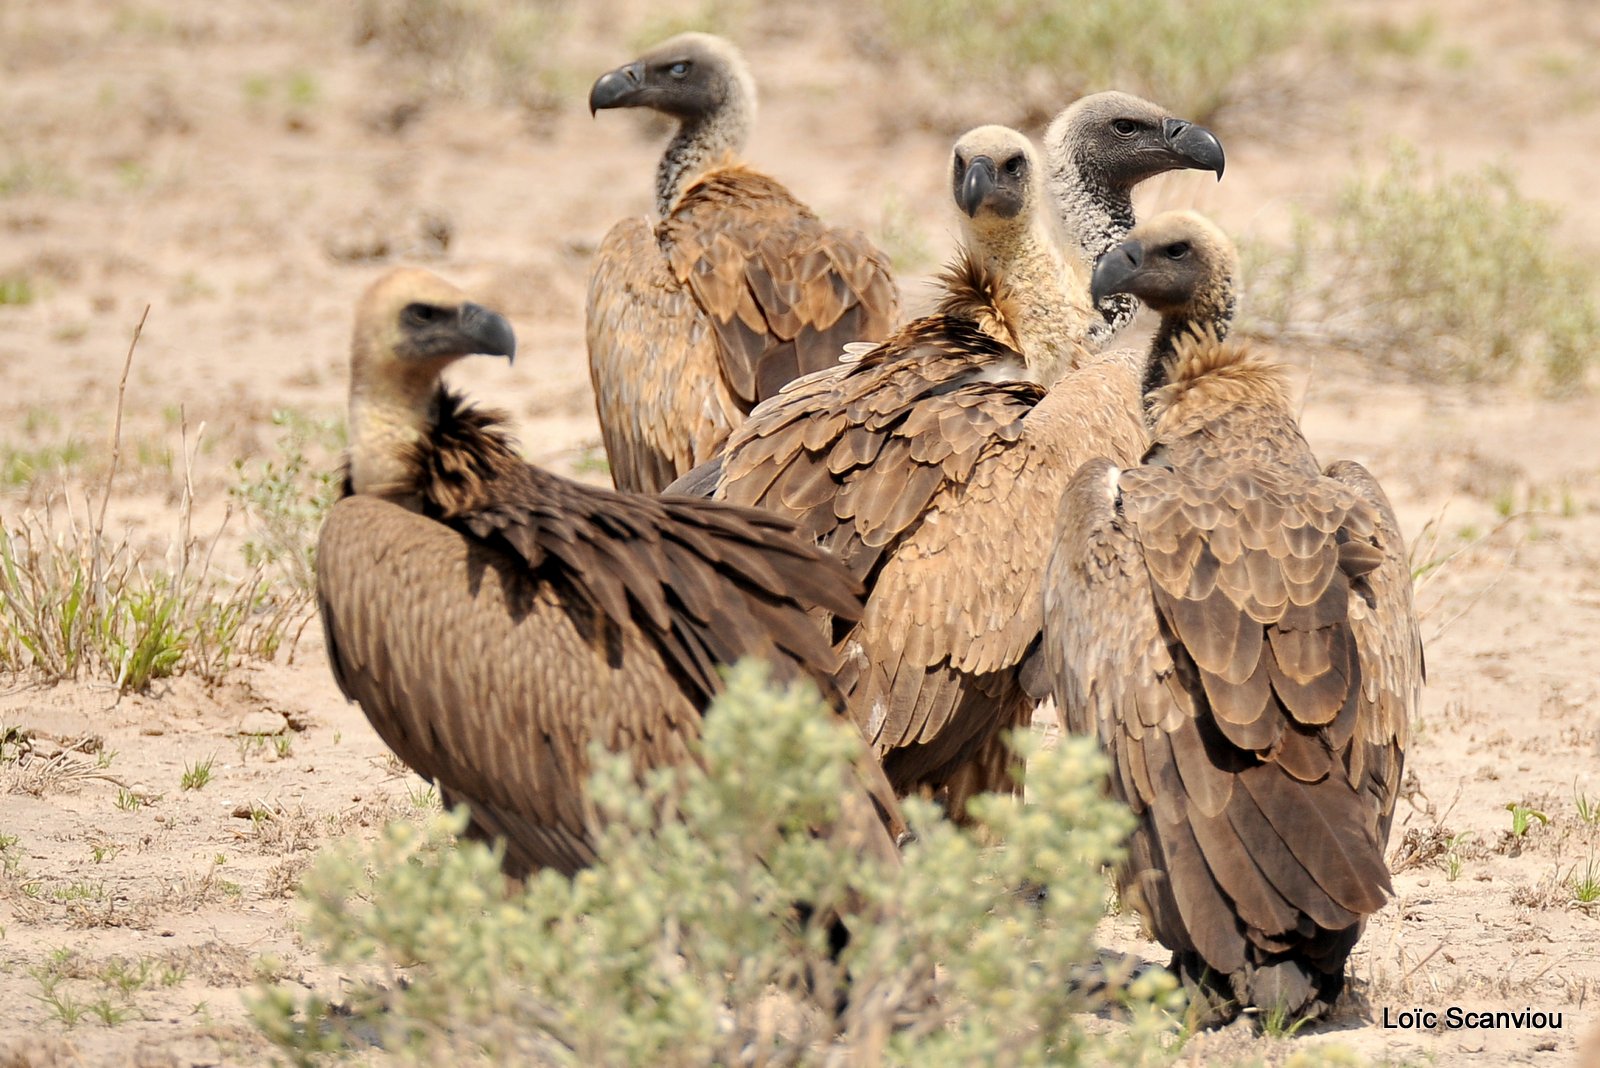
(1188, 55)
(680, 948)
(1457, 277)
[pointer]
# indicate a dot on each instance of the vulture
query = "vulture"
(1099, 148)
(732, 290)
(933, 464)
(1235, 625)
(493, 620)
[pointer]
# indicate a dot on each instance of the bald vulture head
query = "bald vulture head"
(994, 174)
(703, 82)
(1180, 264)
(1117, 140)
(1039, 294)
(1098, 149)
(692, 77)
(410, 325)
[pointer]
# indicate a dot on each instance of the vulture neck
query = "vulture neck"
(1039, 284)
(700, 144)
(388, 420)
(1098, 217)
(1213, 314)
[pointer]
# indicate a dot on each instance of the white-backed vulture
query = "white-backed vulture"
(493, 620)
(734, 289)
(933, 464)
(1099, 148)
(1235, 625)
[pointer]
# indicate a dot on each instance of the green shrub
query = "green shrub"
(1458, 277)
(1186, 54)
(680, 947)
(287, 497)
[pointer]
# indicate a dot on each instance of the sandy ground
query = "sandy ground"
(246, 170)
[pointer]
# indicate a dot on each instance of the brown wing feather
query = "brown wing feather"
(653, 363)
(783, 292)
(856, 453)
(691, 322)
(474, 675)
(938, 486)
(1384, 622)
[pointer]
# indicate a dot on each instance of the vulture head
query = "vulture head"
(994, 171)
(1116, 140)
(1179, 263)
(691, 77)
(410, 325)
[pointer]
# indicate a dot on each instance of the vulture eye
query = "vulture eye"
(1177, 250)
(1014, 166)
(679, 69)
(1125, 127)
(418, 314)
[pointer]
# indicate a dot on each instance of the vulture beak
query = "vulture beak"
(1196, 146)
(618, 88)
(976, 185)
(1115, 270)
(487, 332)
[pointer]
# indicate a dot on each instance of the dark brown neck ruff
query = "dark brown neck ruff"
(465, 452)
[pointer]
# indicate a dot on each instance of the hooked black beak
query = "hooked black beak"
(488, 332)
(1115, 270)
(976, 185)
(617, 88)
(1195, 146)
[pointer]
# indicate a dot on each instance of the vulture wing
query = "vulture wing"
(692, 322)
(783, 292)
(489, 651)
(856, 454)
(955, 612)
(1389, 642)
(654, 365)
(1205, 622)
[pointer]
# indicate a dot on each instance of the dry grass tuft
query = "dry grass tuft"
(75, 600)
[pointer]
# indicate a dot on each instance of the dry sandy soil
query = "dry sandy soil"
(246, 169)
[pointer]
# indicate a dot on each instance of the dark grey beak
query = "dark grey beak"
(1196, 146)
(617, 88)
(1115, 270)
(489, 332)
(976, 185)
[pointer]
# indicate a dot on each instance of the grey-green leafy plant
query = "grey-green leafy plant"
(1188, 54)
(682, 946)
(1456, 276)
(286, 497)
